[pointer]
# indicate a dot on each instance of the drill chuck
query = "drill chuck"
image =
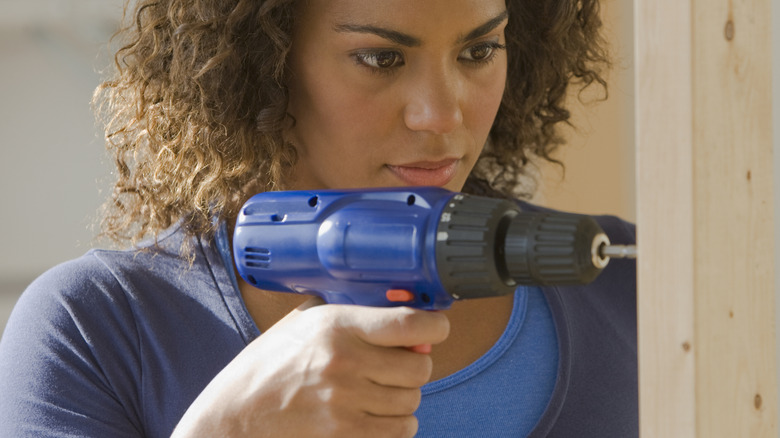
(487, 247)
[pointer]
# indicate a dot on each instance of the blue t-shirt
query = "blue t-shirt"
(119, 343)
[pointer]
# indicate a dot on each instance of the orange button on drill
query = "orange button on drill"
(399, 295)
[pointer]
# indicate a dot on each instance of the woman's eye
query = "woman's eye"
(381, 60)
(482, 52)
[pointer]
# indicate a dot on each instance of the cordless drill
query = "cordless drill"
(422, 247)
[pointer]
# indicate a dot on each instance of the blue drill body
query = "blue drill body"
(352, 246)
(348, 247)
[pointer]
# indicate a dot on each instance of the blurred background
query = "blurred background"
(54, 173)
(53, 170)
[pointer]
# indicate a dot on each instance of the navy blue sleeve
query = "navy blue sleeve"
(599, 324)
(67, 358)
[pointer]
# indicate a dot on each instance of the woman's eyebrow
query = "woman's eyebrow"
(485, 28)
(411, 41)
(392, 35)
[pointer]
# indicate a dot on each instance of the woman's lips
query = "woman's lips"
(426, 173)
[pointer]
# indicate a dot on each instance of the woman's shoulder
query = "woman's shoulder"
(102, 271)
(94, 325)
(63, 302)
(108, 281)
(78, 280)
(110, 302)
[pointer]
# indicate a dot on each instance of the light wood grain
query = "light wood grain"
(706, 296)
(664, 128)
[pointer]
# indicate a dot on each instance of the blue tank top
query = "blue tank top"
(507, 389)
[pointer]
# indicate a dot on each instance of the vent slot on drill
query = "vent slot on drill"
(257, 257)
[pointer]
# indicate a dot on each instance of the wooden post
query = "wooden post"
(705, 229)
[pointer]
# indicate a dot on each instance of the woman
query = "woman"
(217, 100)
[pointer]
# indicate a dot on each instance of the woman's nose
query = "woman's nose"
(433, 104)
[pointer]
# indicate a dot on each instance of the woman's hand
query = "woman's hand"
(331, 370)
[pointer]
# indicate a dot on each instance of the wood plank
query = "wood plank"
(706, 303)
(733, 210)
(665, 218)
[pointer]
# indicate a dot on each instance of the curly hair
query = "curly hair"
(196, 110)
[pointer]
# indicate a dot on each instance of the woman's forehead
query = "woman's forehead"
(414, 18)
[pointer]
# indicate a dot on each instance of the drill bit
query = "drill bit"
(618, 251)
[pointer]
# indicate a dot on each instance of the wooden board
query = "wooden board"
(704, 193)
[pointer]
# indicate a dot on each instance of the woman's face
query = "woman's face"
(389, 93)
